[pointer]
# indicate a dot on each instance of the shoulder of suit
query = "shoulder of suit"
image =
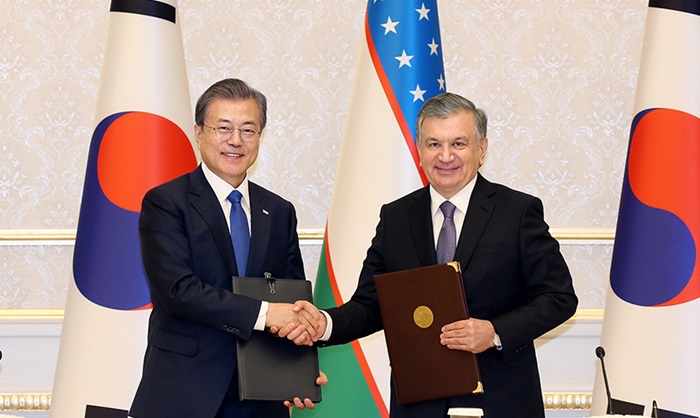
(502, 191)
(257, 191)
(178, 183)
(408, 200)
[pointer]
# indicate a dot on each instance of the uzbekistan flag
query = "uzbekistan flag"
(653, 303)
(139, 141)
(400, 66)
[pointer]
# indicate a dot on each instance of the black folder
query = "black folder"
(272, 368)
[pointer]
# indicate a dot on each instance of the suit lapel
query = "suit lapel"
(260, 224)
(204, 201)
(477, 217)
(421, 227)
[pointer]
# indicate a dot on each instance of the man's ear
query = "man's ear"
(484, 146)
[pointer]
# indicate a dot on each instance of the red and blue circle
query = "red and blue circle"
(130, 153)
(655, 259)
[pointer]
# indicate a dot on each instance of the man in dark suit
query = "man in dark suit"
(517, 283)
(190, 362)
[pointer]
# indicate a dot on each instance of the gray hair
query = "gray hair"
(448, 104)
(230, 89)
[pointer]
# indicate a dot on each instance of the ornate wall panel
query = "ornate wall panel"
(556, 77)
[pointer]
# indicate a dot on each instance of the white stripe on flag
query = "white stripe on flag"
(101, 350)
(375, 167)
(652, 351)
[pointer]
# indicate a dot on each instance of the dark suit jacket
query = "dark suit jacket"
(514, 275)
(188, 257)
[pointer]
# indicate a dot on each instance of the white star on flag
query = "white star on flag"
(433, 47)
(441, 81)
(423, 12)
(404, 59)
(389, 26)
(418, 94)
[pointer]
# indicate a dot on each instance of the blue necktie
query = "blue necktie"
(447, 240)
(240, 237)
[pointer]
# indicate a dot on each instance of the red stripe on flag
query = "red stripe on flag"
(369, 377)
(389, 92)
(331, 273)
(361, 359)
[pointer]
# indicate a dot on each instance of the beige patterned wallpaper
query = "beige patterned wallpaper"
(557, 78)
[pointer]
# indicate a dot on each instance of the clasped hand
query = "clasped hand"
(300, 322)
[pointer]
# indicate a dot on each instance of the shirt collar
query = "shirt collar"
(460, 199)
(222, 188)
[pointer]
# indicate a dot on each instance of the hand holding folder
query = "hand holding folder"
(415, 304)
(272, 368)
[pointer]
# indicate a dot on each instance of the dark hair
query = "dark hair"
(230, 89)
(447, 104)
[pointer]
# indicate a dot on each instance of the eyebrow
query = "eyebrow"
(250, 122)
(458, 138)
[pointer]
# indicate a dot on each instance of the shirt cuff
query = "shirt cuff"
(262, 316)
(329, 327)
(497, 342)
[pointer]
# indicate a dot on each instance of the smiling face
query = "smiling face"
(232, 158)
(450, 154)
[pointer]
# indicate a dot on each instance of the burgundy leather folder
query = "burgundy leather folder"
(415, 304)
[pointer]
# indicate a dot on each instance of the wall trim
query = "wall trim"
(567, 401)
(42, 401)
(23, 236)
(29, 314)
(25, 401)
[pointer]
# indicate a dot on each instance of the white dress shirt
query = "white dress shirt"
(222, 189)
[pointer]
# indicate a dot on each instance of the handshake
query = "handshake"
(300, 322)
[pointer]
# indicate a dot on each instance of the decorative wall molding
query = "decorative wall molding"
(567, 401)
(67, 236)
(25, 402)
(31, 315)
(42, 401)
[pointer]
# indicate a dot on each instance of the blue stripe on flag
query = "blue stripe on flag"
(406, 35)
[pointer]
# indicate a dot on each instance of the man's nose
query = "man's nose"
(235, 138)
(446, 153)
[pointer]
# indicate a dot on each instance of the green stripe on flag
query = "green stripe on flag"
(347, 394)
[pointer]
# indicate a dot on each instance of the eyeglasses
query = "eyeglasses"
(224, 133)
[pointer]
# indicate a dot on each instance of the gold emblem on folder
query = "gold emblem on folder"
(423, 316)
